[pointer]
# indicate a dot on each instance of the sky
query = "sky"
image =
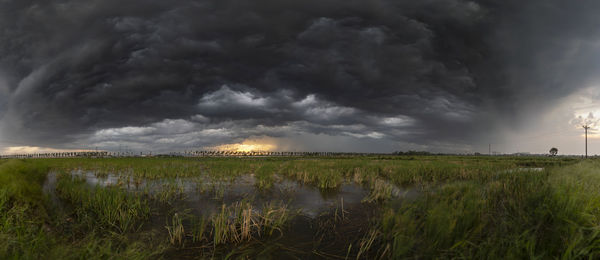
(450, 76)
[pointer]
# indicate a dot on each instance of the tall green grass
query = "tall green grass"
(23, 181)
(110, 208)
(30, 228)
(22, 211)
(510, 215)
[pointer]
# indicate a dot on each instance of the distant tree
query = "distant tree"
(412, 153)
(553, 151)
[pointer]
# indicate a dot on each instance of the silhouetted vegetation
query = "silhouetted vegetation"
(412, 153)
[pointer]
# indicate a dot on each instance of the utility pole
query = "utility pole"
(586, 127)
(489, 149)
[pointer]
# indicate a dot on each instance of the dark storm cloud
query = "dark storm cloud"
(437, 72)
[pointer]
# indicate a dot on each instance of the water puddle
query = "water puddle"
(312, 201)
(49, 186)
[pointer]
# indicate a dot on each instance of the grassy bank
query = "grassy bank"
(31, 227)
(525, 215)
(22, 210)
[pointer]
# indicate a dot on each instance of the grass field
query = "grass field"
(384, 207)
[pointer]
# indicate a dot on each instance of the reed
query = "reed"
(111, 208)
(176, 230)
(240, 222)
(199, 228)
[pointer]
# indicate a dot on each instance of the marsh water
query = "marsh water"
(323, 222)
(205, 196)
(314, 208)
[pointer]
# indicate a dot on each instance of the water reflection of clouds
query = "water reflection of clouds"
(199, 193)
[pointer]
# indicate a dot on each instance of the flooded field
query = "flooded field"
(281, 208)
(206, 196)
(335, 214)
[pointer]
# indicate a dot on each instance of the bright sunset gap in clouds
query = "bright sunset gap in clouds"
(246, 146)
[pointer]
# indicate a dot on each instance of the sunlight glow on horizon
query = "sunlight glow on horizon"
(246, 146)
